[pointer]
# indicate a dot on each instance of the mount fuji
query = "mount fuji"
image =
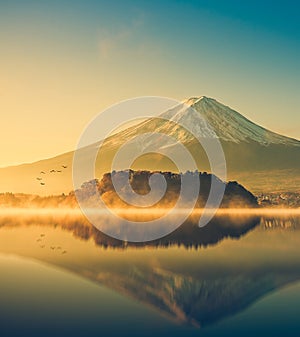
(260, 159)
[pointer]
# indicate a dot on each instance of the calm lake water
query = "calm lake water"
(238, 276)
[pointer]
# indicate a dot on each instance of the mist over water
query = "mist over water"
(216, 278)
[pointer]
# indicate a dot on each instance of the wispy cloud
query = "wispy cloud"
(110, 42)
(125, 39)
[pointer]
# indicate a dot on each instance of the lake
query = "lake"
(238, 276)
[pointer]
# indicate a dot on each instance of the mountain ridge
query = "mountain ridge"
(252, 152)
(206, 105)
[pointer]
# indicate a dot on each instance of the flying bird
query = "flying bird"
(42, 172)
(39, 178)
(59, 171)
(64, 166)
(52, 171)
(42, 184)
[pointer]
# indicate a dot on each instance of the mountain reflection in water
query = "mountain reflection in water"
(180, 278)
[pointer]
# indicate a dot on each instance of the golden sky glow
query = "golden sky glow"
(60, 66)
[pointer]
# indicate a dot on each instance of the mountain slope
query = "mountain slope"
(231, 126)
(259, 159)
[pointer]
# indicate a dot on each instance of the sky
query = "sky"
(63, 62)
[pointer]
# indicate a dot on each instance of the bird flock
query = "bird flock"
(41, 242)
(40, 179)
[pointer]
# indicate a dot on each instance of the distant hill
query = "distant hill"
(235, 195)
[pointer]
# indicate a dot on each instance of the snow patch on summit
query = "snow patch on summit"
(206, 117)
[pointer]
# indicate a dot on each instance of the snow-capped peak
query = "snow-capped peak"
(198, 113)
(194, 100)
